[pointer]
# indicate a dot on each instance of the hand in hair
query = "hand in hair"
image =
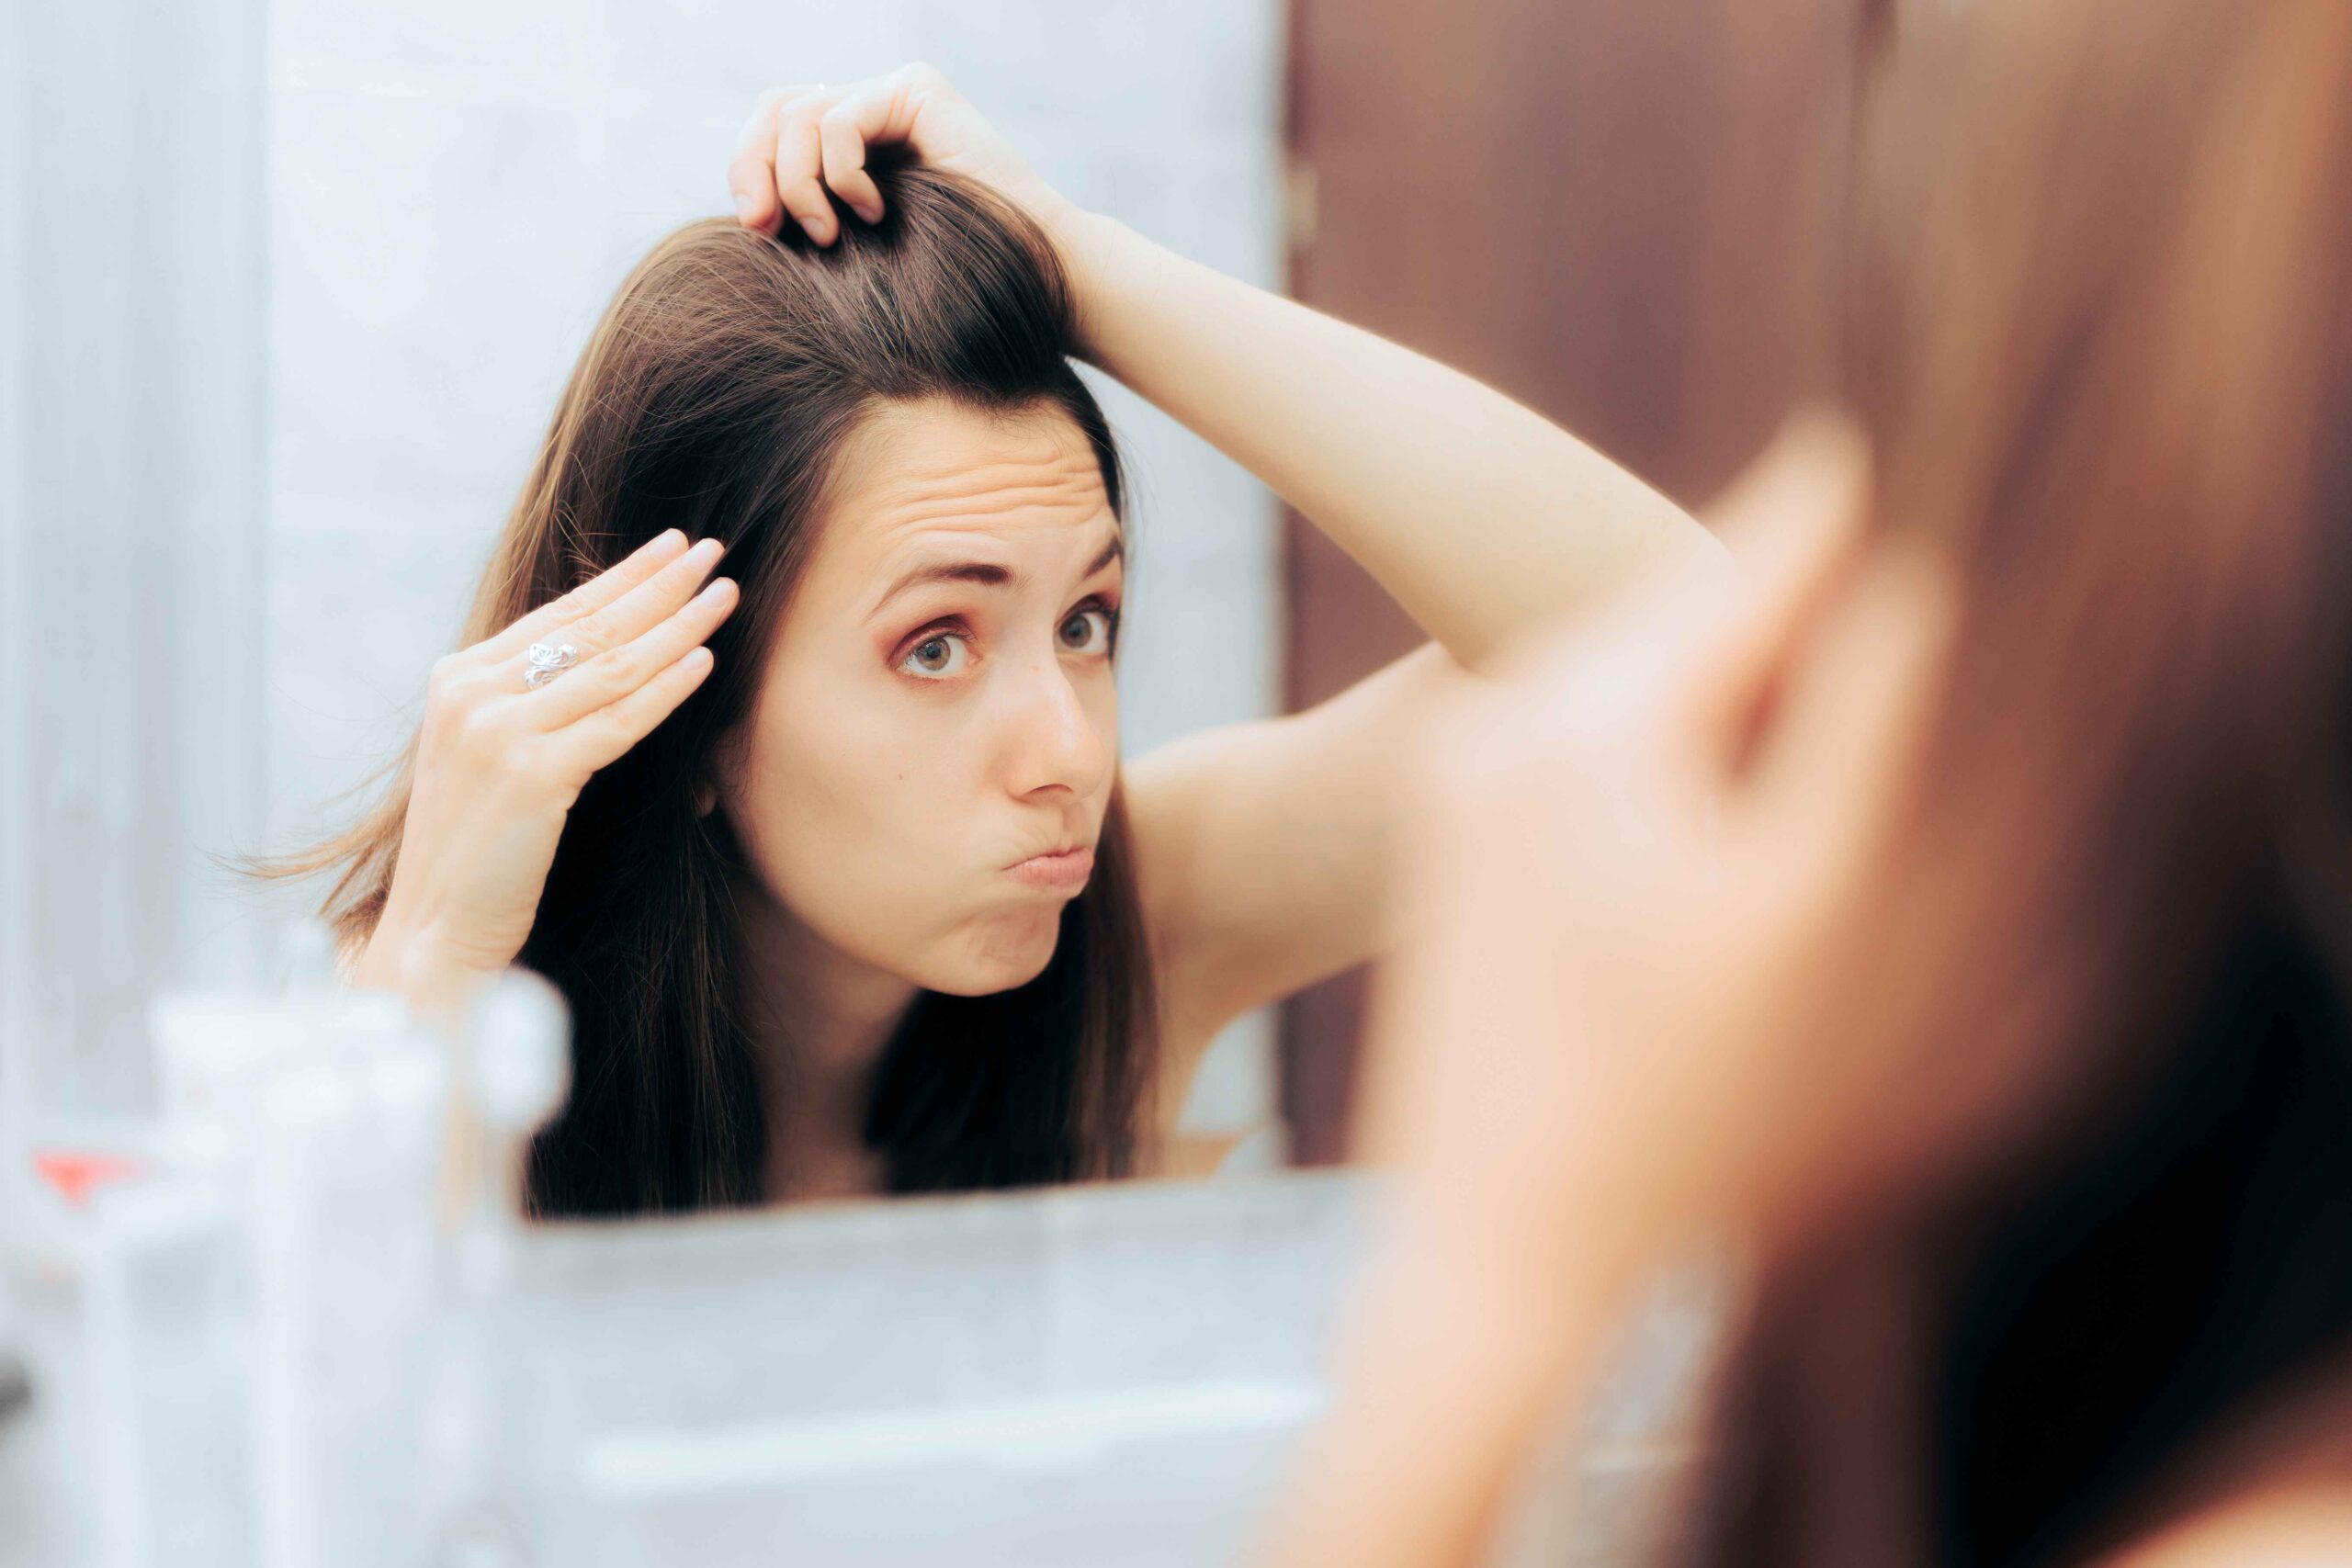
(1632, 853)
(804, 146)
(1630, 850)
(499, 762)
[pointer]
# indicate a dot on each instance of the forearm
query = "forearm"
(1449, 1385)
(1483, 518)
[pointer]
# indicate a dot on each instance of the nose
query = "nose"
(1055, 743)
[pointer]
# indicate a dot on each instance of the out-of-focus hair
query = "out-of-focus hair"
(2102, 335)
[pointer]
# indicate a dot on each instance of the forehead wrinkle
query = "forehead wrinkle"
(990, 489)
(948, 545)
(931, 459)
(957, 488)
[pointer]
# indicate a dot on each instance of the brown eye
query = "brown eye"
(942, 654)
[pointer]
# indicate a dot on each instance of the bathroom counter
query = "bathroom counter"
(1068, 1377)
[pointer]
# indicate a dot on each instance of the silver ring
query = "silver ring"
(547, 662)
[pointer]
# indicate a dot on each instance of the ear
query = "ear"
(716, 772)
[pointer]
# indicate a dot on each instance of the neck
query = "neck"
(818, 1021)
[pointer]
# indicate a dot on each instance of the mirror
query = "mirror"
(291, 299)
(340, 325)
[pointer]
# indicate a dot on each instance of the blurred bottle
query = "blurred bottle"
(516, 1056)
(307, 1118)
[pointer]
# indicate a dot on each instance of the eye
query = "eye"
(938, 656)
(1088, 629)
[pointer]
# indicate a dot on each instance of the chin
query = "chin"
(1003, 955)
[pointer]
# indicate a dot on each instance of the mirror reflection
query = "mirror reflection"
(1077, 594)
(785, 735)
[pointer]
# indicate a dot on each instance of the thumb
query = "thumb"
(1855, 712)
(1793, 523)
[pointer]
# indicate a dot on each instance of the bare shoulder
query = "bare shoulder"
(2305, 1526)
(1260, 847)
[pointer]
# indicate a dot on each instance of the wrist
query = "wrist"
(1094, 250)
(415, 960)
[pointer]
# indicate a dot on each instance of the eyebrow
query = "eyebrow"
(988, 574)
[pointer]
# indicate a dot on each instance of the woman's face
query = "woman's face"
(924, 773)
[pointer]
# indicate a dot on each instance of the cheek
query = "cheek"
(1097, 690)
(848, 802)
(823, 787)
(1102, 699)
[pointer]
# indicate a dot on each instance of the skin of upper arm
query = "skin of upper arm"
(1261, 849)
(2305, 1526)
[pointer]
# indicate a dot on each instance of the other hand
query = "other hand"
(500, 762)
(1609, 1024)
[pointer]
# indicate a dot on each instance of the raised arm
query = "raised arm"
(1632, 882)
(1483, 518)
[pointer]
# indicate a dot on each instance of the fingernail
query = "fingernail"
(871, 214)
(814, 230)
(706, 550)
(743, 210)
(717, 589)
(670, 538)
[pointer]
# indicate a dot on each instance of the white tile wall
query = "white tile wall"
(131, 539)
(456, 185)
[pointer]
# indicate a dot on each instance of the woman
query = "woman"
(838, 868)
(1958, 922)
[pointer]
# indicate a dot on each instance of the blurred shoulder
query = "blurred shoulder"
(2305, 1526)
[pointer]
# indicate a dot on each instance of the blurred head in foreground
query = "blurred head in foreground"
(2104, 341)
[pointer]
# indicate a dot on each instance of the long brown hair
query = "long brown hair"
(715, 396)
(2100, 336)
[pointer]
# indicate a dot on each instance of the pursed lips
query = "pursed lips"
(1055, 871)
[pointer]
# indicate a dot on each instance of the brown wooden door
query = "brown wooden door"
(1627, 213)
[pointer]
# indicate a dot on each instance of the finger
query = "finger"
(586, 599)
(1743, 517)
(611, 675)
(843, 135)
(642, 606)
(878, 113)
(600, 738)
(921, 98)
(751, 172)
(1794, 524)
(800, 167)
(751, 169)
(1857, 709)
